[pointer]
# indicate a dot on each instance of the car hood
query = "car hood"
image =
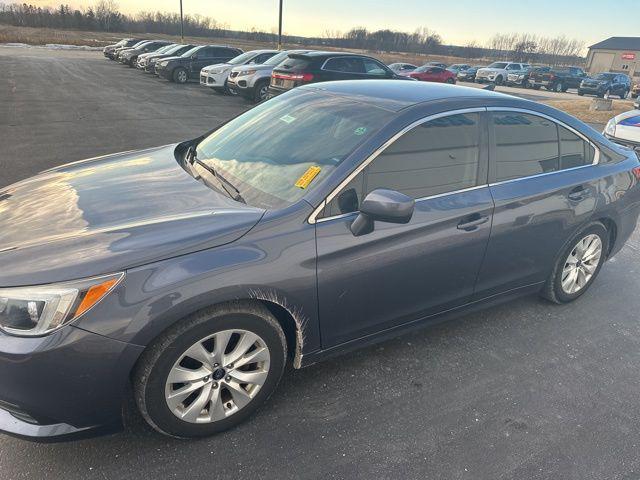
(257, 68)
(174, 59)
(111, 213)
(217, 68)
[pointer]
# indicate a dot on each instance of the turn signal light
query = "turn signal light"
(94, 294)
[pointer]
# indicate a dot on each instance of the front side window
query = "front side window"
(524, 145)
(436, 157)
(372, 67)
(279, 150)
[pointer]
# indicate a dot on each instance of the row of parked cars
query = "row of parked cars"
(532, 76)
(258, 74)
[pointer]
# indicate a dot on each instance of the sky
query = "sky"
(457, 21)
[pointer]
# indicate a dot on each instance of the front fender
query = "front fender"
(265, 265)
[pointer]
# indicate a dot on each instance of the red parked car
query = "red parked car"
(429, 73)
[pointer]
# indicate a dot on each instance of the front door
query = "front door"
(400, 273)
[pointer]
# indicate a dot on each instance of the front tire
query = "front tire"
(498, 81)
(260, 91)
(180, 75)
(210, 371)
(578, 265)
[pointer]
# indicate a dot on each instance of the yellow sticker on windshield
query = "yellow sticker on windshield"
(307, 177)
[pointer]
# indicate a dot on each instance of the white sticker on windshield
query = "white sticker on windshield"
(288, 119)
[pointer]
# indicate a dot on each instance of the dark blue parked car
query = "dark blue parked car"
(330, 217)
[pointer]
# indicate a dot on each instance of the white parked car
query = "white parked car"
(624, 129)
(215, 76)
(498, 72)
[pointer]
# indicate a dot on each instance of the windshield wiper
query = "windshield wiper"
(192, 157)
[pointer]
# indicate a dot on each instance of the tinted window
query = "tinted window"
(524, 145)
(574, 151)
(344, 64)
(436, 157)
(295, 63)
(349, 198)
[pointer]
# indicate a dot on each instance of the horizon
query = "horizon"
(571, 18)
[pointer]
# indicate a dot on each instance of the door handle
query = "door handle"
(577, 194)
(470, 225)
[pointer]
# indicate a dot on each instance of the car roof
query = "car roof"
(319, 53)
(399, 94)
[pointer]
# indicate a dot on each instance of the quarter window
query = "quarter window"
(574, 151)
(525, 145)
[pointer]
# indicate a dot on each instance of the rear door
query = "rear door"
(544, 187)
(401, 273)
(343, 68)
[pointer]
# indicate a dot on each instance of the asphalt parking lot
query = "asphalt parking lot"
(527, 390)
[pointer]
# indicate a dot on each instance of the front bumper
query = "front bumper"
(163, 72)
(70, 383)
(213, 80)
(592, 89)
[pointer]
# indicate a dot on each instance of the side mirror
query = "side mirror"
(194, 56)
(384, 206)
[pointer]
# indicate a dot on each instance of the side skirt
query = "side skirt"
(320, 355)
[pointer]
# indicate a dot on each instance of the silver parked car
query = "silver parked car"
(252, 81)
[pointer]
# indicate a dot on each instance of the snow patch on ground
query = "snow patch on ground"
(51, 46)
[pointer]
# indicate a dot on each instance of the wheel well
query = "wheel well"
(288, 324)
(611, 227)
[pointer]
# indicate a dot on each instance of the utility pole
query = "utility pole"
(279, 28)
(182, 24)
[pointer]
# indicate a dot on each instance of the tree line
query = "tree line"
(104, 15)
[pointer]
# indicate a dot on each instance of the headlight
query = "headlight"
(610, 129)
(36, 311)
(246, 72)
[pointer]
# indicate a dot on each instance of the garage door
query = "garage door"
(602, 62)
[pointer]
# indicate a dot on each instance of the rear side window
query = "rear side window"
(524, 145)
(574, 151)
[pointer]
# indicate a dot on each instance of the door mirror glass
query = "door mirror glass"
(384, 206)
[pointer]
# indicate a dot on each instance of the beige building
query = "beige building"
(615, 54)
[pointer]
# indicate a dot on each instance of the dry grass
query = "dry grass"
(579, 108)
(42, 36)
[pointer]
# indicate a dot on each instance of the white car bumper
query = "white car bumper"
(214, 80)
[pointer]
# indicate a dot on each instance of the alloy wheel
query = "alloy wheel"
(581, 264)
(182, 76)
(217, 376)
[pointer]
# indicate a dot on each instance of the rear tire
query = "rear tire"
(498, 81)
(558, 87)
(450, 81)
(556, 289)
(214, 402)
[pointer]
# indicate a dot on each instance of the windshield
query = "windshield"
(497, 65)
(191, 51)
(605, 76)
(173, 48)
(164, 49)
(242, 58)
(277, 151)
(276, 59)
